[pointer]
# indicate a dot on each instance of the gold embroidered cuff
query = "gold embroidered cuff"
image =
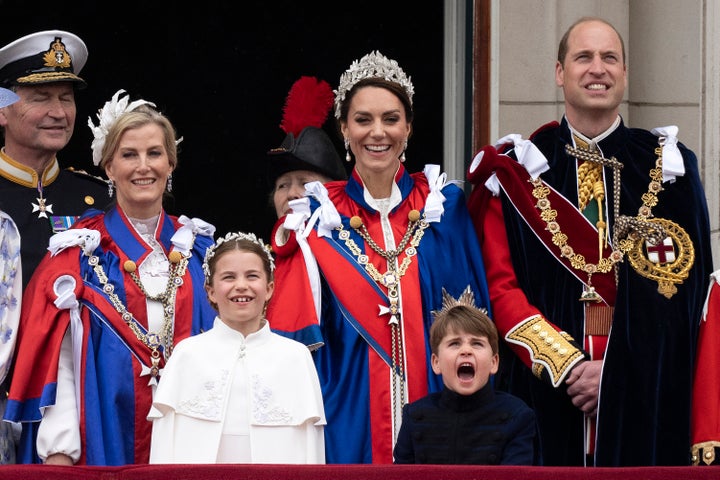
(549, 349)
(704, 451)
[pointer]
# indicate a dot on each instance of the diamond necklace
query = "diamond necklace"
(390, 279)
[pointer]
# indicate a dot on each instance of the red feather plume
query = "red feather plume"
(307, 104)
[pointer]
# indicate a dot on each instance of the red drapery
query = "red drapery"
(353, 472)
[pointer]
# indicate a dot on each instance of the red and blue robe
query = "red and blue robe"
(114, 398)
(351, 336)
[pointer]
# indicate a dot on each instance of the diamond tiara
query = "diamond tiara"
(234, 236)
(372, 65)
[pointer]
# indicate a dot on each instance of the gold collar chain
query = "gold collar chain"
(577, 261)
(646, 231)
(629, 233)
(390, 279)
(152, 340)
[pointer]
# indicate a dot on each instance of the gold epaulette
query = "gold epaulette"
(704, 451)
(549, 349)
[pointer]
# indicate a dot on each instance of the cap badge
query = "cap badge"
(57, 56)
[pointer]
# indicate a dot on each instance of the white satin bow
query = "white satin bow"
(528, 155)
(185, 235)
(326, 214)
(296, 221)
(434, 204)
(672, 161)
(87, 238)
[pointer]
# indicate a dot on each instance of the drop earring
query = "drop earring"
(168, 186)
(348, 158)
(111, 188)
(402, 155)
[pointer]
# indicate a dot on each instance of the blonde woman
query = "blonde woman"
(109, 302)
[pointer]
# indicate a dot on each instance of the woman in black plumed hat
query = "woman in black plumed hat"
(307, 154)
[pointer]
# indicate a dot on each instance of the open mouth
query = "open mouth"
(466, 371)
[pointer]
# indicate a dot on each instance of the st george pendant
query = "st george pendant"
(590, 295)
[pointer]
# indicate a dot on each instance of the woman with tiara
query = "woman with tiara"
(366, 265)
(108, 302)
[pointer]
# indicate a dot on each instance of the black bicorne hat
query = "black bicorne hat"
(312, 150)
(306, 146)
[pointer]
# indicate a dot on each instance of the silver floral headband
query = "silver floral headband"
(107, 116)
(235, 236)
(372, 65)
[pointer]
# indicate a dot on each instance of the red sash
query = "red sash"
(359, 295)
(581, 235)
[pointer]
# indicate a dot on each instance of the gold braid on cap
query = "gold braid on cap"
(466, 298)
(372, 65)
(235, 236)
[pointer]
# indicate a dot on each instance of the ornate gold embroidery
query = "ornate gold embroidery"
(704, 450)
(548, 348)
(57, 55)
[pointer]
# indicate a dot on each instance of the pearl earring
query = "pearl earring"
(111, 188)
(402, 155)
(348, 158)
(168, 186)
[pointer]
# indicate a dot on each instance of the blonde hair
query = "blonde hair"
(139, 117)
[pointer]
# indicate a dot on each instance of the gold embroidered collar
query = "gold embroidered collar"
(24, 175)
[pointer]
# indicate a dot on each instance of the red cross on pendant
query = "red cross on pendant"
(662, 253)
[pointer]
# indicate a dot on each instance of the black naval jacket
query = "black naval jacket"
(66, 194)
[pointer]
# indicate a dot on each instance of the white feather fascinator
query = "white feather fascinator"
(107, 116)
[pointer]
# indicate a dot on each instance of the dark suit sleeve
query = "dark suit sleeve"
(521, 447)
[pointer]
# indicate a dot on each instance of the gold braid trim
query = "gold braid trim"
(549, 349)
(708, 452)
(588, 174)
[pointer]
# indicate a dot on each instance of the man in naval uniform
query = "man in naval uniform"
(41, 197)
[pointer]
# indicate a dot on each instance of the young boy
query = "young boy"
(468, 422)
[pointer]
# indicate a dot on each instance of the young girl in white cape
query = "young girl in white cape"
(238, 393)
